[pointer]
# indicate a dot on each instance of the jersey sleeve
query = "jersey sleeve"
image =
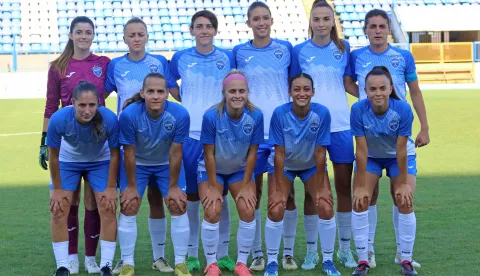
(258, 131)
(348, 69)
(112, 130)
(410, 68)
(353, 60)
(207, 135)
(183, 128)
(55, 131)
(276, 130)
(127, 127)
(174, 65)
(295, 64)
(53, 92)
(323, 134)
(356, 125)
(406, 121)
(110, 85)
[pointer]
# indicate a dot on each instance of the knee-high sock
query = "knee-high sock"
(158, 235)
(91, 228)
(289, 231)
(180, 232)
(395, 226)
(210, 237)
(344, 222)
(327, 230)
(224, 230)
(72, 224)
(193, 212)
(360, 234)
(372, 226)
(310, 224)
(273, 236)
(407, 226)
(60, 250)
(107, 252)
(127, 237)
(257, 241)
(245, 236)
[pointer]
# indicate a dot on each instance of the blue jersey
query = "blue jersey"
(77, 142)
(381, 132)
(125, 76)
(300, 137)
(399, 62)
(153, 138)
(202, 77)
(327, 66)
(267, 71)
(231, 138)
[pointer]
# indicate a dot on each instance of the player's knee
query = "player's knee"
(131, 209)
(106, 216)
(404, 208)
(175, 209)
(245, 213)
(212, 214)
(325, 209)
(276, 213)
(344, 191)
(90, 201)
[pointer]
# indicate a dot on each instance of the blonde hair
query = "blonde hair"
(249, 105)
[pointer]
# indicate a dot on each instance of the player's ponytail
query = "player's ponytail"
(300, 75)
(333, 33)
(220, 106)
(137, 98)
(97, 120)
(61, 63)
(383, 71)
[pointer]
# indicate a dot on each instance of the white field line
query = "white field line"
(18, 134)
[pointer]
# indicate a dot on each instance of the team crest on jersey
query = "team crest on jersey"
(153, 68)
(337, 55)
(395, 62)
(314, 127)
(278, 54)
(247, 129)
(168, 126)
(220, 64)
(97, 70)
(393, 124)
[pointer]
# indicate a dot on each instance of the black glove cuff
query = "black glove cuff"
(44, 137)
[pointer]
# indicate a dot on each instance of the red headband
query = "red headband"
(234, 76)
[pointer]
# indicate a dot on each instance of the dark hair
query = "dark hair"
(137, 97)
(85, 86)
(208, 15)
(333, 33)
(133, 21)
(257, 4)
(61, 63)
(376, 12)
(383, 71)
(299, 75)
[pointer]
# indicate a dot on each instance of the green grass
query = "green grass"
(446, 199)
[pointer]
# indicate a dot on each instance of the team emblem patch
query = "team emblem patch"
(393, 124)
(395, 62)
(278, 54)
(247, 129)
(314, 127)
(168, 126)
(220, 64)
(153, 68)
(97, 70)
(337, 55)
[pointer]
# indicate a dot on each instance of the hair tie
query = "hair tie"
(234, 76)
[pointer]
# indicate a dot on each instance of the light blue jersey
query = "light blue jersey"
(381, 132)
(201, 85)
(300, 137)
(399, 62)
(153, 138)
(125, 76)
(327, 66)
(267, 71)
(231, 138)
(77, 142)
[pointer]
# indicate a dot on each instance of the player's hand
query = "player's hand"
(422, 138)
(56, 198)
(178, 196)
(324, 194)
(110, 196)
(404, 196)
(129, 194)
(43, 155)
(213, 195)
(248, 195)
(276, 198)
(361, 198)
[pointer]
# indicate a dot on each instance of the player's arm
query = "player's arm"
(113, 169)
(209, 157)
(54, 164)
(320, 155)
(350, 86)
(251, 160)
(361, 153)
(401, 149)
(130, 166)
(279, 166)
(175, 92)
(419, 106)
(175, 163)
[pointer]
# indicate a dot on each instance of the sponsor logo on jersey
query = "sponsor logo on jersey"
(97, 70)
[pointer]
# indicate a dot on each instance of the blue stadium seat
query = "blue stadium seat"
(100, 21)
(158, 36)
(344, 16)
(358, 8)
(163, 12)
(191, 12)
(218, 11)
(173, 12)
(70, 6)
(358, 32)
(217, 4)
(217, 42)
(122, 46)
(196, 4)
(162, 4)
(178, 44)
(61, 6)
(165, 20)
(106, 5)
(103, 46)
(180, 4)
(145, 12)
(127, 14)
(153, 4)
(35, 47)
(118, 20)
(100, 38)
(182, 12)
(160, 45)
(185, 28)
(348, 32)
(207, 4)
(112, 45)
(98, 13)
(183, 19)
(168, 35)
(16, 30)
(15, 22)
(188, 43)
(362, 40)
(126, 4)
(226, 4)
(109, 21)
(156, 20)
(110, 29)
(26, 47)
(167, 27)
(361, 15)
(226, 44)
(349, 8)
(177, 36)
(354, 16)
(156, 27)
(353, 40)
(55, 47)
(169, 44)
(144, 5)
(108, 12)
(62, 14)
(227, 11)
(136, 12)
(174, 20)
(176, 28)
(347, 24)
(186, 36)
(15, 14)
(119, 37)
(63, 30)
(117, 5)
(356, 25)
(340, 9)
(147, 20)
(154, 12)
(7, 31)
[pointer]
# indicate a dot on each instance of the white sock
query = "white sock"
(158, 235)
(245, 236)
(328, 231)
(257, 241)
(273, 236)
(210, 241)
(360, 234)
(395, 226)
(407, 226)
(193, 212)
(73, 257)
(88, 258)
(344, 222)
(127, 237)
(310, 223)
(224, 230)
(60, 250)
(107, 252)
(289, 231)
(180, 231)
(372, 226)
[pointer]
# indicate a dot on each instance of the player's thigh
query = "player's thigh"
(393, 172)
(205, 188)
(236, 184)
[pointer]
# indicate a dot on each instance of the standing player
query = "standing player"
(401, 65)
(300, 132)
(382, 126)
(83, 140)
(231, 133)
(152, 132)
(76, 63)
(266, 63)
(125, 75)
(202, 69)
(326, 57)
